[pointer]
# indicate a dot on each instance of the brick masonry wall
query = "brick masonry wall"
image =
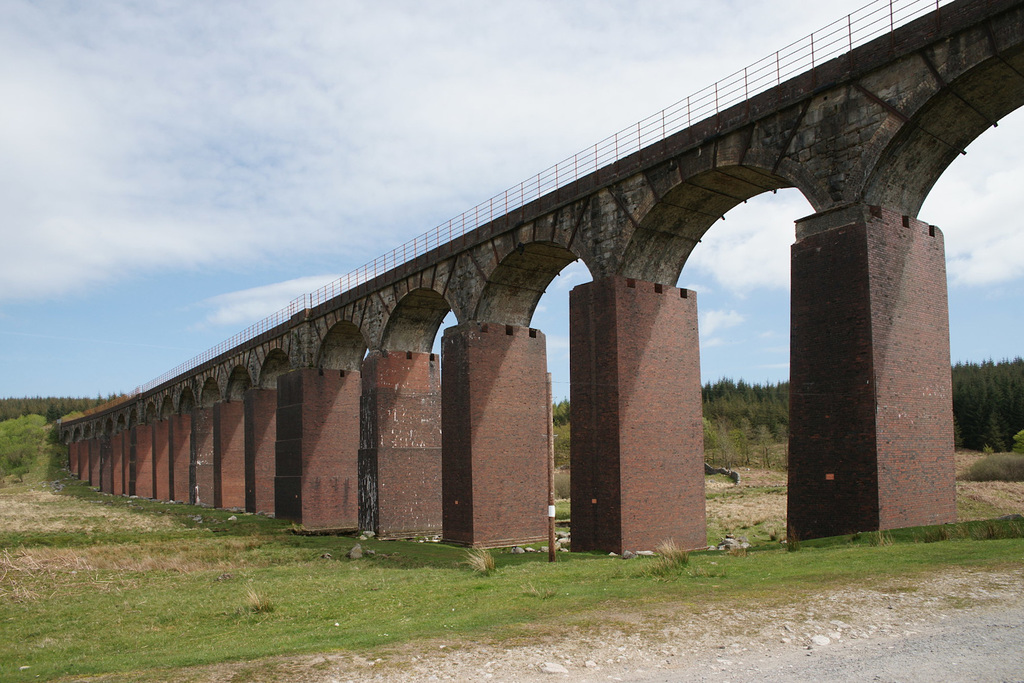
(94, 461)
(637, 432)
(161, 460)
(317, 448)
(118, 459)
(106, 465)
(494, 435)
(200, 478)
(180, 435)
(142, 438)
(74, 458)
(400, 444)
(229, 455)
(914, 411)
(260, 435)
(870, 412)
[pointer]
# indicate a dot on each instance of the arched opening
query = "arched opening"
(414, 323)
(343, 348)
(166, 407)
(133, 418)
(977, 204)
(186, 401)
(151, 414)
(670, 231)
(275, 365)
(210, 394)
(238, 383)
(741, 273)
(516, 286)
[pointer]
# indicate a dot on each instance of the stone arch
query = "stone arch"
(108, 427)
(210, 393)
(151, 414)
(238, 383)
(516, 285)
(942, 128)
(122, 423)
(666, 234)
(186, 400)
(343, 348)
(76, 434)
(274, 365)
(413, 324)
(87, 431)
(133, 417)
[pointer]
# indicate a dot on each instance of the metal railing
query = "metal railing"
(857, 28)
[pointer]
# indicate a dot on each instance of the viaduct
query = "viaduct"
(338, 416)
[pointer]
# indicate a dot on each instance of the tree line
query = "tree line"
(743, 422)
(50, 407)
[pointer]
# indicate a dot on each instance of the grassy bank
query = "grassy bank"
(94, 584)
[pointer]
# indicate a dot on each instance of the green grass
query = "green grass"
(201, 593)
(137, 590)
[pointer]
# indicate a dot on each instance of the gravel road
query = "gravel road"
(987, 645)
(960, 625)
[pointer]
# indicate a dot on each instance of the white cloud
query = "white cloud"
(750, 248)
(713, 321)
(160, 137)
(978, 204)
(249, 305)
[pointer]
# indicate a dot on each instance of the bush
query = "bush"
(1018, 442)
(20, 442)
(562, 485)
(997, 467)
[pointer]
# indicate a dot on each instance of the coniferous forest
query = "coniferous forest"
(988, 404)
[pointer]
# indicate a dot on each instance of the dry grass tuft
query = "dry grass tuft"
(671, 560)
(257, 602)
(480, 560)
(530, 590)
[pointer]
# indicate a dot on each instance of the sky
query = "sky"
(171, 172)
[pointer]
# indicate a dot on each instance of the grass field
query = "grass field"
(115, 589)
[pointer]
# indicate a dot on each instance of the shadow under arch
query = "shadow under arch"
(210, 394)
(166, 407)
(515, 287)
(342, 348)
(668, 232)
(413, 324)
(186, 401)
(276, 364)
(238, 383)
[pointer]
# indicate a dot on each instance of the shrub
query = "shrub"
(1018, 442)
(562, 484)
(997, 467)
